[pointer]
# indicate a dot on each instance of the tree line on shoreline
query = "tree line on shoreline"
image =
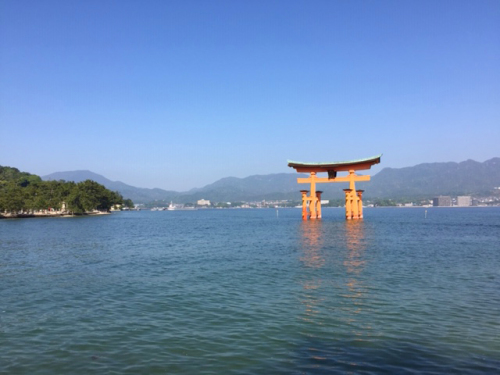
(22, 192)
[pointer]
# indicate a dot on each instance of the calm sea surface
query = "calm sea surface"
(252, 292)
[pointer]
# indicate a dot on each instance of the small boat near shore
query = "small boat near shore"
(174, 207)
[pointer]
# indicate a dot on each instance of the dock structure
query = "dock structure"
(311, 205)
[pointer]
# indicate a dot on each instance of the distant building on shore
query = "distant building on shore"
(464, 201)
(203, 202)
(442, 201)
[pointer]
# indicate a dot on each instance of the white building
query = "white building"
(464, 201)
(203, 202)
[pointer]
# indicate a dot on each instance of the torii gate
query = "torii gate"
(353, 197)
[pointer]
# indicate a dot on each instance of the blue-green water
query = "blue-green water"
(252, 292)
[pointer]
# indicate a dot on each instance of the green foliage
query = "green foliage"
(336, 203)
(23, 192)
(11, 197)
(128, 203)
(14, 175)
(221, 205)
(383, 203)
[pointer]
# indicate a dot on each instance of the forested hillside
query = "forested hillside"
(422, 181)
(431, 179)
(137, 194)
(27, 193)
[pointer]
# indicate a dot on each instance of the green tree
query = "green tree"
(128, 203)
(20, 191)
(13, 198)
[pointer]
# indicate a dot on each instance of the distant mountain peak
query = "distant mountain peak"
(77, 176)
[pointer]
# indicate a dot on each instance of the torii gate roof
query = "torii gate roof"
(335, 166)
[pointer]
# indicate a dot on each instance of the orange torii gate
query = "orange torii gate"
(353, 197)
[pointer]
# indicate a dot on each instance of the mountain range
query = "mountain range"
(421, 181)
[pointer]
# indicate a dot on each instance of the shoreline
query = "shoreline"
(54, 214)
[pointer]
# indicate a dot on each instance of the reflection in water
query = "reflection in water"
(312, 242)
(354, 263)
(355, 236)
(333, 293)
(322, 278)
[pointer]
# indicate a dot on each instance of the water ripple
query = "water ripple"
(244, 292)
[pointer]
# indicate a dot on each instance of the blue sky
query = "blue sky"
(177, 94)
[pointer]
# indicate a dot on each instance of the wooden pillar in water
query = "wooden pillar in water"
(312, 196)
(304, 204)
(360, 203)
(353, 212)
(348, 204)
(318, 204)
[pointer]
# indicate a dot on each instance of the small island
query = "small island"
(25, 195)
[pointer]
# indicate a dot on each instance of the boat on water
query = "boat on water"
(173, 207)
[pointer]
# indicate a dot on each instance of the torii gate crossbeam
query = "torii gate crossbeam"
(353, 197)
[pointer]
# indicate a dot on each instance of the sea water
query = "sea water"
(252, 292)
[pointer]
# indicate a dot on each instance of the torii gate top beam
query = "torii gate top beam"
(336, 166)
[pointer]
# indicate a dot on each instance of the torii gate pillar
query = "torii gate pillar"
(304, 204)
(353, 204)
(318, 204)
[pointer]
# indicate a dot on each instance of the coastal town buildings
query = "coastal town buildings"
(464, 201)
(203, 202)
(442, 201)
